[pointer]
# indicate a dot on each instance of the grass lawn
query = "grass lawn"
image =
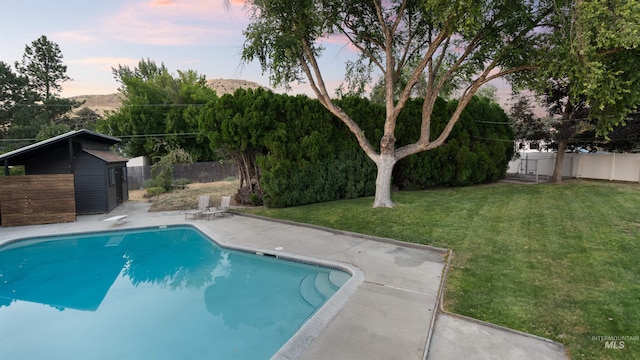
(559, 261)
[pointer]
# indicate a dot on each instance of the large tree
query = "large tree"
(527, 127)
(590, 74)
(467, 42)
(237, 126)
(31, 104)
(158, 108)
(42, 64)
(14, 92)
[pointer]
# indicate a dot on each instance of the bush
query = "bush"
(312, 157)
(14, 170)
(162, 171)
(162, 174)
(181, 182)
(150, 183)
(477, 151)
(154, 191)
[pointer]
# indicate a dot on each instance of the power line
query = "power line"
(489, 139)
(158, 135)
(128, 105)
(180, 135)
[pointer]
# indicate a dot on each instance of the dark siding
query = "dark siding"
(93, 195)
(55, 161)
(94, 145)
(91, 185)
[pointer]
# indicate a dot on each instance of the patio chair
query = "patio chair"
(203, 205)
(218, 210)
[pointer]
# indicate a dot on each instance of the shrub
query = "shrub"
(162, 171)
(162, 174)
(154, 191)
(181, 182)
(150, 183)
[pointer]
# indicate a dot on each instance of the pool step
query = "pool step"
(315, 289)
(324, 286)
(338, 278)
(309, 292)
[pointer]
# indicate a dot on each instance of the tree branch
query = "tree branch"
(324, 98)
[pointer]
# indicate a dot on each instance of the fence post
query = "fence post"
(612, 167)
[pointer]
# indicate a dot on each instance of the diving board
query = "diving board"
(117, 219)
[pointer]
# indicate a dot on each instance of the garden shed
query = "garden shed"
(98, 175)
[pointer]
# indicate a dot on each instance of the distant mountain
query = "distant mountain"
(229, 86)
(102, 103)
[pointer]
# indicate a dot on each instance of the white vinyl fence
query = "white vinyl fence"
(613, 167)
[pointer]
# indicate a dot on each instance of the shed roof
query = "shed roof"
(107, 156)
(16, 156)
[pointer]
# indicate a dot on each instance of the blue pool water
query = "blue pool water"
(161, 293)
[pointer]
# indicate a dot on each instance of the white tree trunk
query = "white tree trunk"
(385, 165)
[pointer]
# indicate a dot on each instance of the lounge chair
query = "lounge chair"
(203, 205)
(218, 210)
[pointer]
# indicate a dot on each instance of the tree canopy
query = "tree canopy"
(160, 108)
(465, 43)
(30, 105)
(42, 64)
(589, 73)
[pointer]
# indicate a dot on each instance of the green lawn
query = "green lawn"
(559, 261)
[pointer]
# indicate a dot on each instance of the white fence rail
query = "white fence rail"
(614, 167)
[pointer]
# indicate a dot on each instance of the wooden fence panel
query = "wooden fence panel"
(37, 199)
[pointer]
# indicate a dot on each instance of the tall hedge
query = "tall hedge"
(314, 158)
(310, 158)
(307, 155)
(477, 151)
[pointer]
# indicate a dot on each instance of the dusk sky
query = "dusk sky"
(98, 35)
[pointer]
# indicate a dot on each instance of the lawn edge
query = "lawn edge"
(441, 309)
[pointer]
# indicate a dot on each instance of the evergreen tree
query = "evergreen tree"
(14, 92)
(42, 65)
(30, 105)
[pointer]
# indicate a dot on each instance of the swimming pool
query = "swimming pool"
(153, 293)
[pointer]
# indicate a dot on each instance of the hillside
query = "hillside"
(101, 103)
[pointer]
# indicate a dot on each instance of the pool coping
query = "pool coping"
(302, 339)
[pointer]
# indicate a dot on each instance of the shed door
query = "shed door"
(119, 185)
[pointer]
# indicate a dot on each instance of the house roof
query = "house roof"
(16, 156)
(107, 156)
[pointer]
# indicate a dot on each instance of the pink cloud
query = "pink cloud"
(340, 40)
(167, 22)
(161, 2)
(76, 36)
(106, 63)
